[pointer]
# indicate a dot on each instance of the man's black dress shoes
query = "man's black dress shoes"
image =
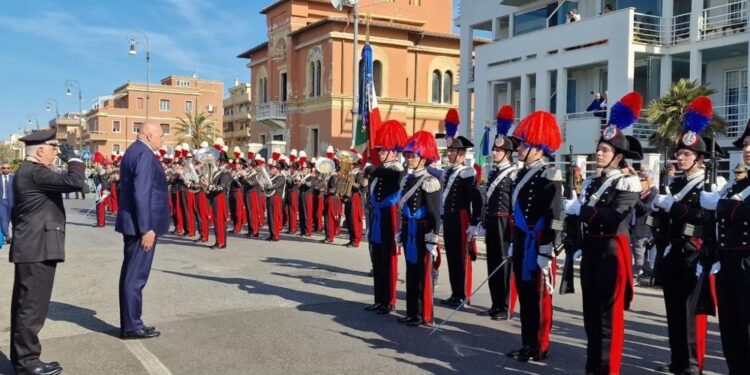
(140, 334)
(52, 368)
(217, 246)
(385, 309)
(373, 307)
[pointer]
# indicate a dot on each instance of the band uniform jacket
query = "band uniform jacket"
(38, 215)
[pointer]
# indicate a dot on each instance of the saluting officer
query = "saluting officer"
(537, 202)
(497, 215)
(687, 331)
(383, 224)
(38, 218)
(605, 210)
(732, 208)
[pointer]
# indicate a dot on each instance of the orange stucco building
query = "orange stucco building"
(302, 76)
(113, 123)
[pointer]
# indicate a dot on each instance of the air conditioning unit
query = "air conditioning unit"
(210, 108)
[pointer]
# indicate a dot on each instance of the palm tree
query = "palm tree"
(195, 129)
(666, 113)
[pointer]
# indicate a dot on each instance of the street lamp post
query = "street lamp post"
(68, 85)
(51, 101)
(132, 52)
(36, 119)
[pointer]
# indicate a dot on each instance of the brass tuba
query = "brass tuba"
(347, 174)
(208, 157)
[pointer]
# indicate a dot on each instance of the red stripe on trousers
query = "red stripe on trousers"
(464, 217)
(256, 213)
(204, 212)
(427, 289)
(277, 215)
(545, 309)
(308, 214)
(293, 211)
(190, 212)
(179, 220)
(100, 214)
(701, 325)
(220, 222)
(394, 255)
(356, 217)
(113, 192)
(622, 297)
(513, 296)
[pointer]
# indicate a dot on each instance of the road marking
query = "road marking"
(150, 362)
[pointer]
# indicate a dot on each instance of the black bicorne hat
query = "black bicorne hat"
(740, 142)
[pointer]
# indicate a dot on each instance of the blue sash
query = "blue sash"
(530, 242)
(411, 231)
(375, 235)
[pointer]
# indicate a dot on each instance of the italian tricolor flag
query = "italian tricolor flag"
(369, 114)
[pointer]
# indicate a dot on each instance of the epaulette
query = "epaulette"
(395, 167)
(552, 174)
(629, 183)
(431, 184)
(467, 172)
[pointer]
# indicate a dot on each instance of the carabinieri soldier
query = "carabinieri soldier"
(687, 331)
(384, 223)
(605, 210)
(537, 202)
(732, 269)
(497, 216)
(420, 223)
(461, 212)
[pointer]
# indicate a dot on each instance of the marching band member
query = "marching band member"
(220, 185)
(100, 183)
(236, 197)
(420, 223)
(462, 210)
(497, 215)
(254, 197)
(306, 182)
(275, 198)
(536, 200)
(732, 268)
(605, 210)
(352, 206)
(681, 207)
(318, 199)
(331, 213)
(176, 191)
(383, 224)
(188, 195)
(291, 202)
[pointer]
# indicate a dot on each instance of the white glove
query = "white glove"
(572, 206)
(664, 201)
(471, 232)
(667, 250)
(715, 268)
(397, 237)
(544, 262)
(698, 270)
(578, 254)
(710, 199)
(480, 230)
(432, 248)
(510, 250)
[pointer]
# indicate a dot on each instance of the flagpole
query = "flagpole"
(355, 73)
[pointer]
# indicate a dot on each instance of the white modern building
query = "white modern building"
(540, 61)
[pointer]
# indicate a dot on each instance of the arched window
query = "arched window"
(318, 89)
(448, 87)
(265, 90)
(312, 79)
(377, 76)
(437, 84)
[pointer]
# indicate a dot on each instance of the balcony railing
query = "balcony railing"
(735, 117)
(647, 29)
(680, 29)
(270, 111)
(724, 19)
(643, 130)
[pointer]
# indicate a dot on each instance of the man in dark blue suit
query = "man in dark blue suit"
(6, 199)
(142, 217)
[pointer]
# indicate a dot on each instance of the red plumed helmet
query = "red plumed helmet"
(505, 112)
(391, 136)
(423, 144)
(99, 158)
(540, 130)
(702, 105)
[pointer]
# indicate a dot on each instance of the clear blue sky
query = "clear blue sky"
(46, 42)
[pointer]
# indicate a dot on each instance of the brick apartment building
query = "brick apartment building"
(237, 109)
(114, 122)
(302, 76)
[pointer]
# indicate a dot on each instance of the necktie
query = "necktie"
(5, 183)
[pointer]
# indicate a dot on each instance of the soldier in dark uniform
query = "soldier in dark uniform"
(687, 331)
(732, 269)
(275, 197)
(537, 203)
(462, 210)
(497, 216)
(217, 195)
(38, 218)
(605, 210)
(383, 223)
(353, 208)
(420, 223)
